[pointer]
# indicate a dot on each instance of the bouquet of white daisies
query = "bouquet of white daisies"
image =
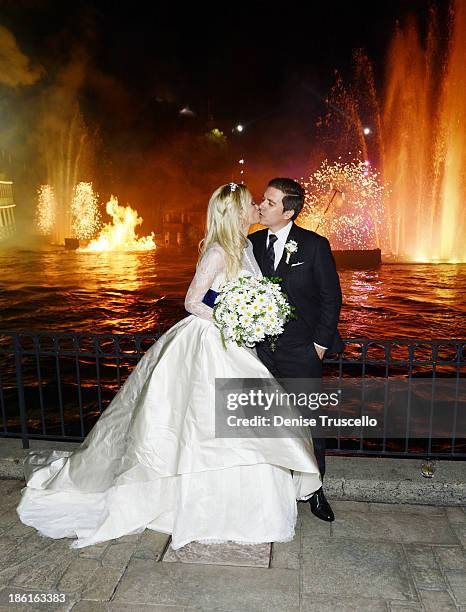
(248, 310)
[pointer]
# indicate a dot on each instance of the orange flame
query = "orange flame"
(120, 235)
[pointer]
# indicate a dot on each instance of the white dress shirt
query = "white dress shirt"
(279, 247)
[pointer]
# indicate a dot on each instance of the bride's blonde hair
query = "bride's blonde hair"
(226, 213)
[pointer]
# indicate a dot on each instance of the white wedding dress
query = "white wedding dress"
(152, 459)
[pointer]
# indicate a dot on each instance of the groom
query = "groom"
(311, 282)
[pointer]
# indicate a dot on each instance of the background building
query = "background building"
(7, 210)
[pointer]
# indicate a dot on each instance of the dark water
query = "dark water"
(65, 291)
(60, 290)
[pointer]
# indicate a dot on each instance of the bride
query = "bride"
(152, 459)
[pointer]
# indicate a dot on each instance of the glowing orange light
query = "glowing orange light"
(120, 234)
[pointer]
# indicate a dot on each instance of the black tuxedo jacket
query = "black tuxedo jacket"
(312, 285)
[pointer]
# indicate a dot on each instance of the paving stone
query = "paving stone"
(56, 607)
(451, 557)
(437, 601)
(336, 569)
(6, 486)
(89, 606)
(209, 586)
(420, 555)
(408, 508)
(19, 530)
(8, 519)
(151, 545)
(460, 531)
(456, 515)
(10, 493)
(368, 526)
(94, 606)
(428, 578)
(311, 527)
(24, 550)
(257, 555)
(8, 506)
(131, 538)
(457, 581)
(321, 603)
(347, 569)
(114, 607)
(7, 543)
(6, 575)
(43, 571)
(348, 506)
(405, 607)
(78, 575)
(17, 608)
(102, 584)
(10, 503)
(287, 555)
(118, 555)
(95, 551)
(401, 527)
(6, 606)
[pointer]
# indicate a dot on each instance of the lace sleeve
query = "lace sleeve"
(211, 265)
(249, 261)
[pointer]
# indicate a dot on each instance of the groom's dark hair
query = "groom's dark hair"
(294, 194)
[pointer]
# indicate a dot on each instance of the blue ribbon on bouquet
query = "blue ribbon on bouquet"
(208, 299)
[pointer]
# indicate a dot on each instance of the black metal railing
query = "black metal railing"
(54, 386)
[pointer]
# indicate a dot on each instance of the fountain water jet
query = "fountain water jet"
(67, 153)
(85, 213)
(46, 210)
(424, 137)
(417, 135)
(344, 203)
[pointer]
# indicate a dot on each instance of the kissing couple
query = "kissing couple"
(152, 460)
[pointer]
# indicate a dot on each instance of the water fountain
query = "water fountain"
(45, 210)
(119, 235)
(67, 152)
(417, 138)
(86, 217)
(83, 213)
(344, 203)
(424, 138)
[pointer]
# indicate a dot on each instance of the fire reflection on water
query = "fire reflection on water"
(97, 268)
(106, 292)
(88, 293)
(404, 301)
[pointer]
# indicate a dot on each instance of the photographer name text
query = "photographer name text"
(280, 421)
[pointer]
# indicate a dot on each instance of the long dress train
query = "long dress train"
(152, 459)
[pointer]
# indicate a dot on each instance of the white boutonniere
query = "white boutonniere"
(290, 247)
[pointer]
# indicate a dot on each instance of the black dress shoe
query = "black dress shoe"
(320, 506)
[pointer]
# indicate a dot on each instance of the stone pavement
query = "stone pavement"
(374, 557)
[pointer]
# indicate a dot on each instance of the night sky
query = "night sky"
(237, 62)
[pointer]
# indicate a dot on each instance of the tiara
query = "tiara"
(233, 186)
